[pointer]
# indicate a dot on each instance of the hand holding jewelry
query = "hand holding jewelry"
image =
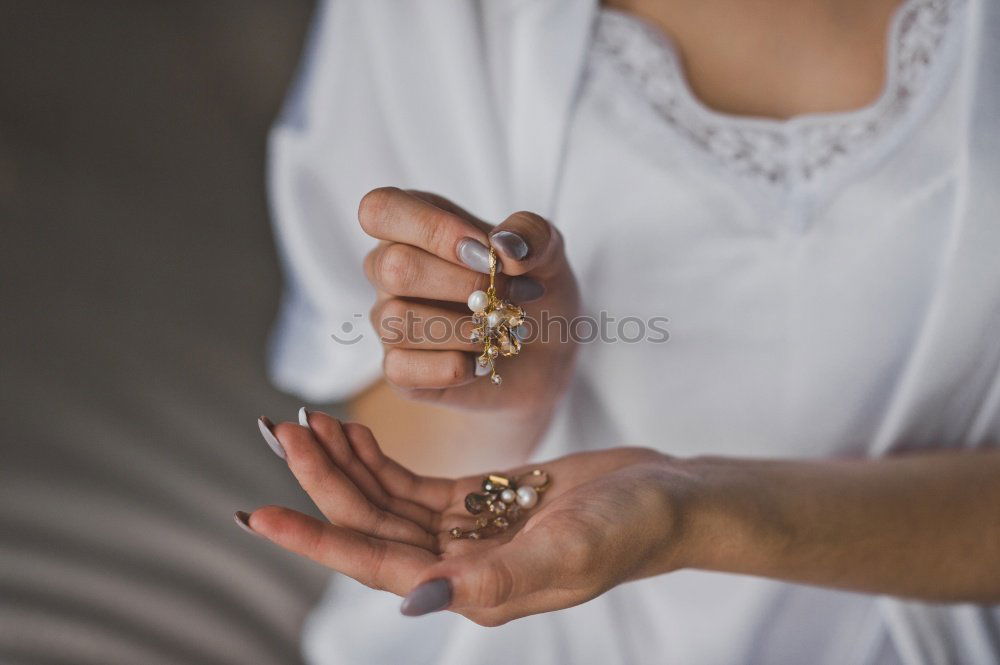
(546, 538)
(432, 256)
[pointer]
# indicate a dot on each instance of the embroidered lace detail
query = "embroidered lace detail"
(777, 152)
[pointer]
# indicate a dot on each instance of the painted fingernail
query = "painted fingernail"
(474, 254)
(431, 596)
(265, 426)
(510, 244)
(480, 370)
(242, 519)
(304, 418)
(524, 289)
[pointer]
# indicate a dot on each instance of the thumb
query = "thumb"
(481, 581)
(526, 243)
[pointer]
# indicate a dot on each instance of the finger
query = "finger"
(450, 206)
(380, 564)
(334, 438)
(407, 368)
(337, 497)
(390, 213)
(436, 494)
(407, 324)
(403, 270)
(529, 243)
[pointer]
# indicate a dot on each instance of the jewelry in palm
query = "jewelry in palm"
(498, 324)
(501, 502)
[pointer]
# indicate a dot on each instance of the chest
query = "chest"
(800, 322)
(775, 58)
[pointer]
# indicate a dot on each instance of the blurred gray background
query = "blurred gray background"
(138, 282)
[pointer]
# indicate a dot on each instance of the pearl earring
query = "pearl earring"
(496, 324)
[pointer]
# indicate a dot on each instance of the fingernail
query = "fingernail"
(510, 244)
(429, 597)
(475, 255)
(524, 289)
(265, 431)
(304, 418)
(243, 520)
(480, 370)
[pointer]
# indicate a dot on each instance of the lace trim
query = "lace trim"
(762, 149)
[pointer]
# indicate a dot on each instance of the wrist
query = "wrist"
(728, 520)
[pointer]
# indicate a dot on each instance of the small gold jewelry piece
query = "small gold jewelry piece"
(501, 501)
(497, 324)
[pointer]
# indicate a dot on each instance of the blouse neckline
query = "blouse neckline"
(804, 150)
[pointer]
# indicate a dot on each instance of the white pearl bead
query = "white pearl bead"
(493, 319)
(478, 301)
(508, 496)
(527, 497)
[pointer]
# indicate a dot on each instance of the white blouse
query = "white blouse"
(832, 284)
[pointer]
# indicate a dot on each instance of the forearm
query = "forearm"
(440, 441)
(924, 526)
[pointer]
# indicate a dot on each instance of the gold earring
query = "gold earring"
(498, 324)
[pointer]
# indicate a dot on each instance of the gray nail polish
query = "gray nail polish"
(242, 519)
(304, 418)
(474, 254)
(510, 244)
(523, 289)
(265, 426)
(429, 597)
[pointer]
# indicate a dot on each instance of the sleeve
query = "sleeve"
(373, 104)
(322, 346)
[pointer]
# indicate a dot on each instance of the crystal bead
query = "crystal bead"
(475, 503)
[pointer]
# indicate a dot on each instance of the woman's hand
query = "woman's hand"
(433, 255)
(923, 526)
(608, 517)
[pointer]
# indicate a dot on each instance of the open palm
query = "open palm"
(603, 520)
